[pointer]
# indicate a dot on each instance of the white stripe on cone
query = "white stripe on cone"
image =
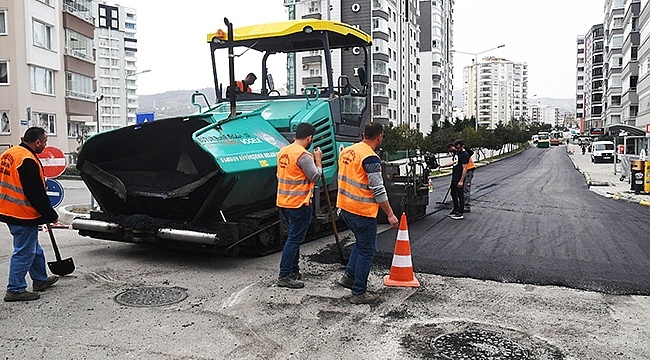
(402, 261)
(403, 235)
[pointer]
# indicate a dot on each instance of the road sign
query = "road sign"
(53, 161)
(647, 129)
(141, 118)
(24, 122)
(54, 192)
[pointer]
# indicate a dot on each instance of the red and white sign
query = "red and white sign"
(647, 129)
(53, 161)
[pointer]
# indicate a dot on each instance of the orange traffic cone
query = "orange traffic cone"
(401, 271)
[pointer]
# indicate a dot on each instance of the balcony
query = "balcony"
(79, 54)
(312, 80)
(81, 9)
(314, 59)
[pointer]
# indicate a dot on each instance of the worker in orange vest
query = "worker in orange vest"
(244, 86)
(469, 175)
(297, 172)
(24, 205)
(361, 194)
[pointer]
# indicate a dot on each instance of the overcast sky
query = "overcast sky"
(542, 33)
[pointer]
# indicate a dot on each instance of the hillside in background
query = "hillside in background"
(178, 102)
(173, 103)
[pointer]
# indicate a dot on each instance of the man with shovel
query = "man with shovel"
(23, 206)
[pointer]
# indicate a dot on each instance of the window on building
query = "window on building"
(79, 86)
(45, 121)
(80, 8)
(379, 89)
(616, 100)
(618, 22)
(617, 41)
(379, 5)
(78, 45)
(42, 34)
(380, 24)
(379, 68)
(3, 21)
(5, 122)
(42, 80)
(381, 46)
(4, 72)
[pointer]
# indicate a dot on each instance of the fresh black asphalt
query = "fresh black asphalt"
(534, 221)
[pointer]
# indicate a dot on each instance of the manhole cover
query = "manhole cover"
(151, 296)
(479, 345)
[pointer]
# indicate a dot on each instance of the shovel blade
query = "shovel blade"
(61, 267)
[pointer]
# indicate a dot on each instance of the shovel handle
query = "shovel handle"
(332, 220)
(56, 248)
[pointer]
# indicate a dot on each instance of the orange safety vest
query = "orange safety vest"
(470, 165)
(240, 85)
(13, 201)
(294, 188)
(354, 194)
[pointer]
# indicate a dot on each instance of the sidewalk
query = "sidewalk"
(601, 178)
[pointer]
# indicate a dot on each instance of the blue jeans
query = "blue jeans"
(297, 221)
(363, 250)
(27, 257)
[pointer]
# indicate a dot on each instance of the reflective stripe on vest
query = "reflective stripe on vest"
(294, 189)
(13, 201)
(354, 194)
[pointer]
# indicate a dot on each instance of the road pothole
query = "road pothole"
(151, 296)
(474, 341)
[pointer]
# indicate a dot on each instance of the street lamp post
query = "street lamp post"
(97, 100)
(137, 73)
(126, 92)
(476, 78)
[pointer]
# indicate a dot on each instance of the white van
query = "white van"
(602, 151)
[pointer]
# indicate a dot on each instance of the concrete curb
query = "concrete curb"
(613, 195)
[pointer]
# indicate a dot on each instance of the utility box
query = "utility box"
(637, 176)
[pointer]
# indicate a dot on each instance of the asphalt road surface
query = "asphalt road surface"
(534, 221)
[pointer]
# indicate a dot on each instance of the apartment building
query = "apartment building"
(116, 66)
(46, 69)
(580, 81)
(613, 61)
(436, 70)
(502, 90)
(546, 115)
(642, 120)
(593, 80)
(396, 65)
(630, 72)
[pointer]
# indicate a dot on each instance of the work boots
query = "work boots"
(22, 296)
(289, 282)
(42, 285)
(365, 298)
(346, 281)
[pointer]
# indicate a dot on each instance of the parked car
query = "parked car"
(602, 151)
